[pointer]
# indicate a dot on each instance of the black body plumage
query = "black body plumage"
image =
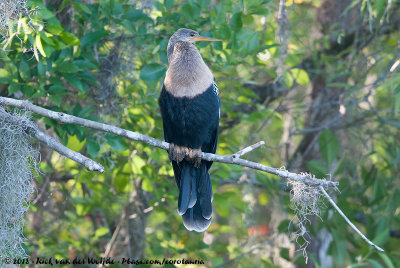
(193, 123)
(190, 108)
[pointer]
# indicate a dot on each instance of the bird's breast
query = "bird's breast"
(188, 78)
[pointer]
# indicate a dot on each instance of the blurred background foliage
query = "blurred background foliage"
(319, 85)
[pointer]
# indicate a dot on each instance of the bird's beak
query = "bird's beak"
(204, 38)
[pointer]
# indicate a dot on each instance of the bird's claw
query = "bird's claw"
(194, 157)
(178, 153)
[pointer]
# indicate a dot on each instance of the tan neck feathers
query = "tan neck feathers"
(187, 75)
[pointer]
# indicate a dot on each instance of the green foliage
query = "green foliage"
(329, 146)
(105, 61)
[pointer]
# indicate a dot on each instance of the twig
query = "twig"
(53, 143)
(110, 244)
(228, 159)
(347, 220)
(248, 149)
(149, 209)
(383, 119)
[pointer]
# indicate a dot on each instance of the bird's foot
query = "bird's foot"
(194, 157)
(177, 153)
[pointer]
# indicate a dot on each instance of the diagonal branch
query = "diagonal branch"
(52, 143)
(347, 220)
(248, 149)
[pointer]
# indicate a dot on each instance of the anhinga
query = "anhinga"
(190, 110)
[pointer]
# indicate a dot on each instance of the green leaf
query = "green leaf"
(74, 143)
(397, 99)
(101, 231)
(137, 15)
(188, 12)
(117, 143)
(92, 147)
(57, 90)
(386, 260)
(41, 68)
(375, 264)
(329, 146)
(397, 89)
(63, 5)
(204, 3)
(253, 43)
(340, 249)
(12, 88)
(4, 76)
(82, 209)
(236, 21)
(283, 226)
(76, 82)
(57, 99)
(84, 64)
(48, 39)
(120, 182)
(69, 39)
(83, 7)
(284, 253)
(382, 237)
(318, 168)
(67, 67)
(24, 70)
(152, 72)
(382, 231)
(92, 38)
(168, 3)
(147, 185)
(44, 13)
(39, 94)
(54, 29)
(40, 46)
(379, 7)
(300, 76)
(287, 79)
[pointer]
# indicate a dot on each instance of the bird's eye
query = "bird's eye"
(192, 34)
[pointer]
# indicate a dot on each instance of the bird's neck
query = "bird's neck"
(187, 75)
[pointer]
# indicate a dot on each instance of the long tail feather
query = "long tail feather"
(185, 189)
(195, 196)
(205, 193)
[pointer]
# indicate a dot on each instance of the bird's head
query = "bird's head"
(186, 35)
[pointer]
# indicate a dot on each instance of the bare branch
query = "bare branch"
(51, 142)
(70, 119)
(228, 159)
(248, 149)
(347, 220)
(54, 144)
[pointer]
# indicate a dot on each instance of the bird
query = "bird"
(190, 110)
